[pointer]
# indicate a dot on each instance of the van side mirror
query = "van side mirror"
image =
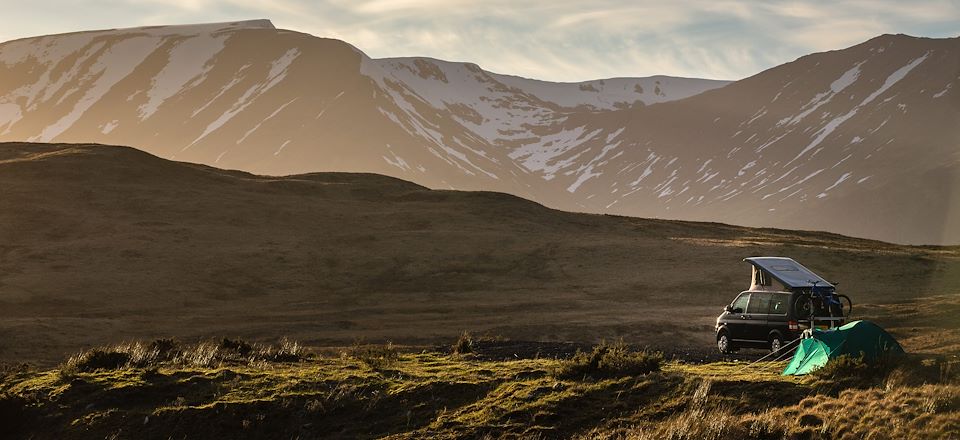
(728, 308)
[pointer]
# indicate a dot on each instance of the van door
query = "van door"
(756, 317)
(777, 315)
(737, 324)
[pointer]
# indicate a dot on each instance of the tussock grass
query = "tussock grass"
(607, 361)
(464, 344)
(375, 356)
(169, 352)
(847, 371)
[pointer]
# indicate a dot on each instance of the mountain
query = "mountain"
(857, 141)
(247, 96)
(99, 241)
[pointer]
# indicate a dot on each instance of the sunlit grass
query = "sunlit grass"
(438, 395)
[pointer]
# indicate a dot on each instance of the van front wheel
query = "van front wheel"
(724, 344)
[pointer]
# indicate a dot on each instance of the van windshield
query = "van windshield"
(740, 304)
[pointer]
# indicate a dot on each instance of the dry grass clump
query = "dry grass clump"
(375, 356)
(286, 351)
(464, 344)
(96, 359)
(170, 352)
(606, 361)
(850, 372)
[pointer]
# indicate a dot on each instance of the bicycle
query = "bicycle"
(820, 300)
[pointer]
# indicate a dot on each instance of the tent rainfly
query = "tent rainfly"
(855, 338)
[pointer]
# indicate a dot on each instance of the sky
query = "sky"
(557, 40)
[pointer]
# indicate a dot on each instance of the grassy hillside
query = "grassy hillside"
(101, 244)
(213, 391)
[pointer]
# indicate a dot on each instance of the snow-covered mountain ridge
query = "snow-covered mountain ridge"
(859, 141)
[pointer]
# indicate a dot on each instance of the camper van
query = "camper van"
(784, 299)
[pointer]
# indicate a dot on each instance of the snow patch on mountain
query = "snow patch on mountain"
(842, 178)
(268, 118)
(614, 93)
(833, 124)
(837, 86)
(585, 172)
(278, 70)
(189, 60)
(115, 63)
(474, 98)
(943, 92)
(536, 156)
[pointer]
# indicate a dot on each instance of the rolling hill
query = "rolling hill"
(858, 141)
(100, 242)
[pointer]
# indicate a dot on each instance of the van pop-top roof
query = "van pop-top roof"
(788, 272)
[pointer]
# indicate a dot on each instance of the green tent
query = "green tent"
(853, 339)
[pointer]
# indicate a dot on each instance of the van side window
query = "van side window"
(759, 303)
(740, 304)
(778, 303)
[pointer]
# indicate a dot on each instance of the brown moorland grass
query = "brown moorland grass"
(99, 241)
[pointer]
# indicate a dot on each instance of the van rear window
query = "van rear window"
(779, 302)
(759, 303)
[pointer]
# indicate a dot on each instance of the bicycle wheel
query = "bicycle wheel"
(804, 306)
(846, 305)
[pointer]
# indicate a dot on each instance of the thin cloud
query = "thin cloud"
(560, 40)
